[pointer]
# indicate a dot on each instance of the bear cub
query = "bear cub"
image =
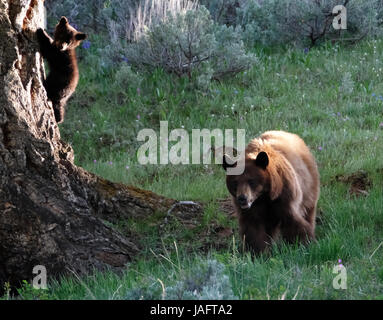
(276, 195)
(60, 54)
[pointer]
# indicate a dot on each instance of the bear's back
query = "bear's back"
(290, 145)
(294, 149)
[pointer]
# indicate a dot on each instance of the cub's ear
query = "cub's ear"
(63, 21)
(227, 162)
(80, 36)
(262, 160)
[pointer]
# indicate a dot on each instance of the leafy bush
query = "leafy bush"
(28, 292)
(205, 280)
(82, 14)
(365, 17)
(262, 22)
(178, 44)
(126, 77)
(129, 21)
(281, 21)
(188, 42)
(223, 11)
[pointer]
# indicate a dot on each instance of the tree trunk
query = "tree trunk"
(51, 212)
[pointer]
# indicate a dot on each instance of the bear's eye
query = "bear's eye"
(234, 185)
(252, 183)
(67, 38)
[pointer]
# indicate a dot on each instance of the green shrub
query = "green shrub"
(262, 22)
(306, 21)
(223, 11)
(28, 292)
(82, 14)
(181, 37)
(125, 77)
(190, 43)
(206, 280)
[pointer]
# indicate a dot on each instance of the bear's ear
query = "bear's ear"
(80, 36)
(262, 160)
(227, 162)
(63, 21)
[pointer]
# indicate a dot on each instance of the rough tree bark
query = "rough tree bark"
(51, 212)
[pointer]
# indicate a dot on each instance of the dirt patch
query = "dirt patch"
(218, 236)
(224, 232)
(226, 206)
(185, 224)
(358, 181)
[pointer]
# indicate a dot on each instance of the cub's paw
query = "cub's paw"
(41, 35)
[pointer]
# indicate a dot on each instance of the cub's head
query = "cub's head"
(66, 37)
(252, 183)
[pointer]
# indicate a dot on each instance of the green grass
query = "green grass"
(287, 90)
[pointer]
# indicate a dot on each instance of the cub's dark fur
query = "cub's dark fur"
(60, 54)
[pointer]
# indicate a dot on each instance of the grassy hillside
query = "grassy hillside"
(330, 96)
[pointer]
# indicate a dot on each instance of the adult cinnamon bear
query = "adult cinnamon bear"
(276, 195)
(60, 54)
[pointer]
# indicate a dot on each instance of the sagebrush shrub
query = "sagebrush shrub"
(83, 14)
(178, 44)
(223, 11)
(299, 21)
(126, 78)
(189, 43)
(263, 21)
(205, 280)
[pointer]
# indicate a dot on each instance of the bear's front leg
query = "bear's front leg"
(255, 237)
(45, 42)
(296, 227)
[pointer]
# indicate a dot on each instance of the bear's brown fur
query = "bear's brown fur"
(276, 195)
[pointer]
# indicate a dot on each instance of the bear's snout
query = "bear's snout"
(243, 202)
(62, 46)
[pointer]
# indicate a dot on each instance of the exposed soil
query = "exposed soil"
(358, 181)
(227, 207)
